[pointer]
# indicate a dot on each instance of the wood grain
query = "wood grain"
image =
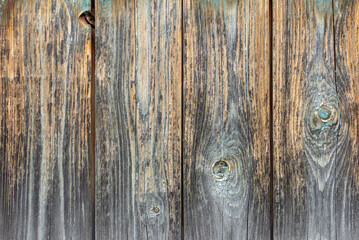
(309, 128)
(226, 117)
(44, 121)
(346, 25)
(138, 119)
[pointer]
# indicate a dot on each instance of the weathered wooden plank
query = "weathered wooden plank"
(44, 120)
(138, 119)
(308, 123)
(226, 119)
(346, 25)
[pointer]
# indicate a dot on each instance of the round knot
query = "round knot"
(323, 122)
(324, 113)
(155, 210)
(220, 170)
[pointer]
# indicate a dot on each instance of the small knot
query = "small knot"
(86, 19)
(220, 170)
(155, 210)
(323, 123)
(324, 113)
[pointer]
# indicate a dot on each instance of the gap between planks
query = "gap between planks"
(271, 135)
(93, 125)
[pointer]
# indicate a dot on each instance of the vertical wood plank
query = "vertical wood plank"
(226, 119)
(138, 119)
(346, 25)
(44, 120)
(309, 131)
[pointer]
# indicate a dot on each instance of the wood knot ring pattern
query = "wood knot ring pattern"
(324, 113)
(220, 170)
(86, 19)
(155, 211)
(323, 123)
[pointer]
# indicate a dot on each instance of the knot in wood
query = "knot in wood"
(324, 113)
(155, 210)
(323, 123)
(220, 170)
(86, 19)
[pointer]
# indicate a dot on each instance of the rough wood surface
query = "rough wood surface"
(310, 124)
(138, 119)
(226, 117)
(44, 120)
(346, 25)
(148, 113)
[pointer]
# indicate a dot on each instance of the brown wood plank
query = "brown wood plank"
(226, 117)
(44, 120)
(138, 119)
(346, 25)
(309, 131)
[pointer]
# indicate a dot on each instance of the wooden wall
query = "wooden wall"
(179, 119)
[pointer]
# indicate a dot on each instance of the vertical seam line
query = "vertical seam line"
(93, 125)
(271, 121)
(336, 90)
(182, 120)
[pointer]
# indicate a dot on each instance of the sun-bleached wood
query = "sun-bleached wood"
(138, 119)
(226, 119)
(44, 120)
(346, 27)
(315, 130)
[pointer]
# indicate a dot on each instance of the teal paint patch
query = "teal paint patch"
(323, 9)
(105, 6)
(212, 2)
(221, 5)
(337, 9)
(324, 5)
(2, 2)
(82, 4)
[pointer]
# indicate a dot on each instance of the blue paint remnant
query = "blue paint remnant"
(326, 2)
(220, 5)
(2, 2)
(82, 4)
(106, 6)
(337, 9)
(324, 5)
(211, 1)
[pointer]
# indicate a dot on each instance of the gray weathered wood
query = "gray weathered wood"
(309, 131)
(226, 117)
(346, 25)
(138, 119)
(44, 121)
(223, 120)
